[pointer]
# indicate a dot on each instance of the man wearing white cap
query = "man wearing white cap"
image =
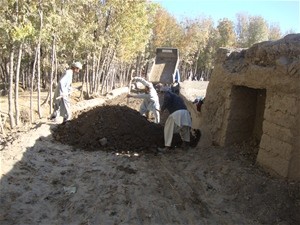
(61, 102)
(151, 100)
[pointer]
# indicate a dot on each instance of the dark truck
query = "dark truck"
(165, 67)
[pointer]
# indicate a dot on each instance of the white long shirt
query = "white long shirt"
(151, 99)
(64, 85)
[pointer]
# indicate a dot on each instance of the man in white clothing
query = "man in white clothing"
(61, 102)
(151, 100)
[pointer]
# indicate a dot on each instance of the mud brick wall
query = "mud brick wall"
(254, 94)
(278, 140)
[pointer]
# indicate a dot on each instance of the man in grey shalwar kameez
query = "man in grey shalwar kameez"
(61, 102)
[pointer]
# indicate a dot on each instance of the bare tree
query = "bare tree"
(10, 94)
(39, 63)
(17, 85)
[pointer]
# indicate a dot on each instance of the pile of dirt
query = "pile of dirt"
(116, 127)
(120, 126)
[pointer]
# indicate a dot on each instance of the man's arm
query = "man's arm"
(143, 81)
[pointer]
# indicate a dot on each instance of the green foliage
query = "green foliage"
(167, 32)
(254, 29)
(274, 32)
(22, 31)
(257, 30)
(128, 28)
(15, 25)
(196, 45)
(227, 36)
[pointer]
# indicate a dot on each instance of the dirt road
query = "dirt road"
(44, 181)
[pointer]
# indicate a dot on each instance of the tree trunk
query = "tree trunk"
(87, 79)
(93, 81)
(101, 73)
(1, 125)
(52, 72)
(108, 65)
(121, 72)
(32, 85)
(196, 63)
(81, 97)
(100, 79)
(98, 72)
(128, 75)
(39, 79)
(39, 66)
(10, 94)
(113, 80)
(17, 85)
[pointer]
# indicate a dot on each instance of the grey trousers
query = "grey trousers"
(62, 107)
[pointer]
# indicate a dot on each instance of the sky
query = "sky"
(285, 13)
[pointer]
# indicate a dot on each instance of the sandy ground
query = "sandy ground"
(46, 182)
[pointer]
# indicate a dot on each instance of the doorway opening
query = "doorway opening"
(245, 121)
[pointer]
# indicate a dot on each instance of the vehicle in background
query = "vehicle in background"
(165, 67)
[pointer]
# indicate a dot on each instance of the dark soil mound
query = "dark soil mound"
(123, 128)
(115, 127)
